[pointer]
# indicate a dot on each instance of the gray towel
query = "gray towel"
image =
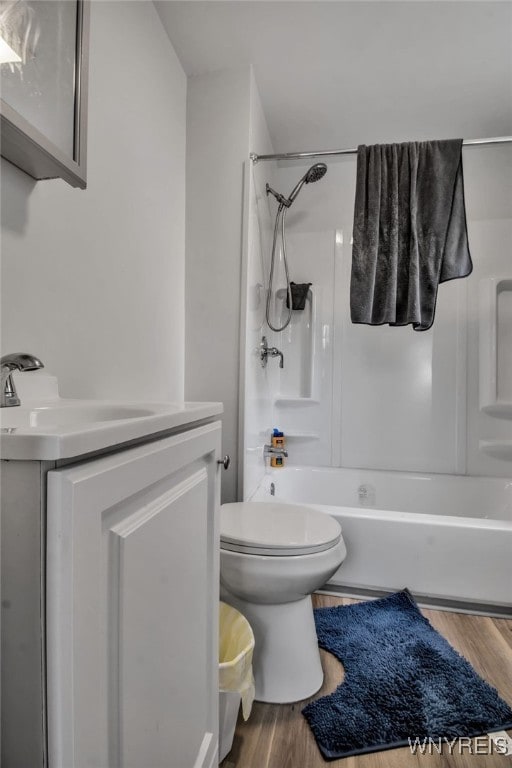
(409, 231)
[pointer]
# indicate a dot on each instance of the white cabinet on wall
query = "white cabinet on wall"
(130, 678)
(43, 107)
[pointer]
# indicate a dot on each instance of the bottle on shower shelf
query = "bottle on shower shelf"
(278, 440)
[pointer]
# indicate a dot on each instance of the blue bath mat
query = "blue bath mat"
(403, 681)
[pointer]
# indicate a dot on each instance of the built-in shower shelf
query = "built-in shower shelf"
(499, 449)
(294, 402)
(294, 434)
(494, 345)
(500, 410)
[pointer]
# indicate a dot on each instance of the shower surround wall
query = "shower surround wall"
(377, 397)
(257, 382)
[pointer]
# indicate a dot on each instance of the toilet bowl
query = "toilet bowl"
(272, 557)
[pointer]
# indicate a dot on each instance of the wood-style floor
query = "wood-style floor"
(278, 736)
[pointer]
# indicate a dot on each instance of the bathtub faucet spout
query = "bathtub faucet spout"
(271, 450)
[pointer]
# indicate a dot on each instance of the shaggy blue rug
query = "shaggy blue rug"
(403, 681)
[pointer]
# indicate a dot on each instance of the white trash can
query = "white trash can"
(236, 681)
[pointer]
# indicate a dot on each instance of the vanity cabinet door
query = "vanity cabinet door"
(132, 604)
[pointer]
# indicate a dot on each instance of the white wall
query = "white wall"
(92, 282)
(218, 109)
(337, 74)
(224, 123)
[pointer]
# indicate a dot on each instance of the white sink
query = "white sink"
(68, 414)
(59, 428)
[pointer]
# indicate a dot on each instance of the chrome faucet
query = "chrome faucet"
(266, 352)
(19, 361)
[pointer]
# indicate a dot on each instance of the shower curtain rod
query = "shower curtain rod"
(326, 152)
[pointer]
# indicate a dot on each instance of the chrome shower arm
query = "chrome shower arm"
(281, 199)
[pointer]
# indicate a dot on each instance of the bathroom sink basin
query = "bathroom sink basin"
(59, 428)
(67, 415)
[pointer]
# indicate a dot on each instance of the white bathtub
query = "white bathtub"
(445, 537)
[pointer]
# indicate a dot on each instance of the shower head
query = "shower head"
(315, 173)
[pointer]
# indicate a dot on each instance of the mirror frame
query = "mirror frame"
(29, 149)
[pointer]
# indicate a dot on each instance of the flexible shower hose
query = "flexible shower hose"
(281, 212)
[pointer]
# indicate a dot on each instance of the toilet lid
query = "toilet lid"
(276, 529)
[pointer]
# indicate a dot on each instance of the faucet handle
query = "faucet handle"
(266, 352)
(275, 352)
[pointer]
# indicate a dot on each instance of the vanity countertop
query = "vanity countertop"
(57, 428)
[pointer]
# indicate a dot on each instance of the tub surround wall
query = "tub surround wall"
(391, 398)
(489, 205)
(403, 393)
(225, 122)
(385, 436)
(92, 281)
(257, 383)
(303, 396)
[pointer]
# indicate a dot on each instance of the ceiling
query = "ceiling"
(337, 74)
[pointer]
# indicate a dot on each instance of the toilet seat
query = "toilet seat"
(273, 529)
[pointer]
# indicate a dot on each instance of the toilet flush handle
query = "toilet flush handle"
(225, 461)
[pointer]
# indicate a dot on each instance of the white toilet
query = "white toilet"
(272, 557)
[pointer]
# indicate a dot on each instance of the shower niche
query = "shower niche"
(495, 346)
(495, 360)
(297, 343)
(297, 399)
(302, 391)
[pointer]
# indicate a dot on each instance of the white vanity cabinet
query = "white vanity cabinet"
(128, 610)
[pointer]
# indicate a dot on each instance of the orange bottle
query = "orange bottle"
(278, 440)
